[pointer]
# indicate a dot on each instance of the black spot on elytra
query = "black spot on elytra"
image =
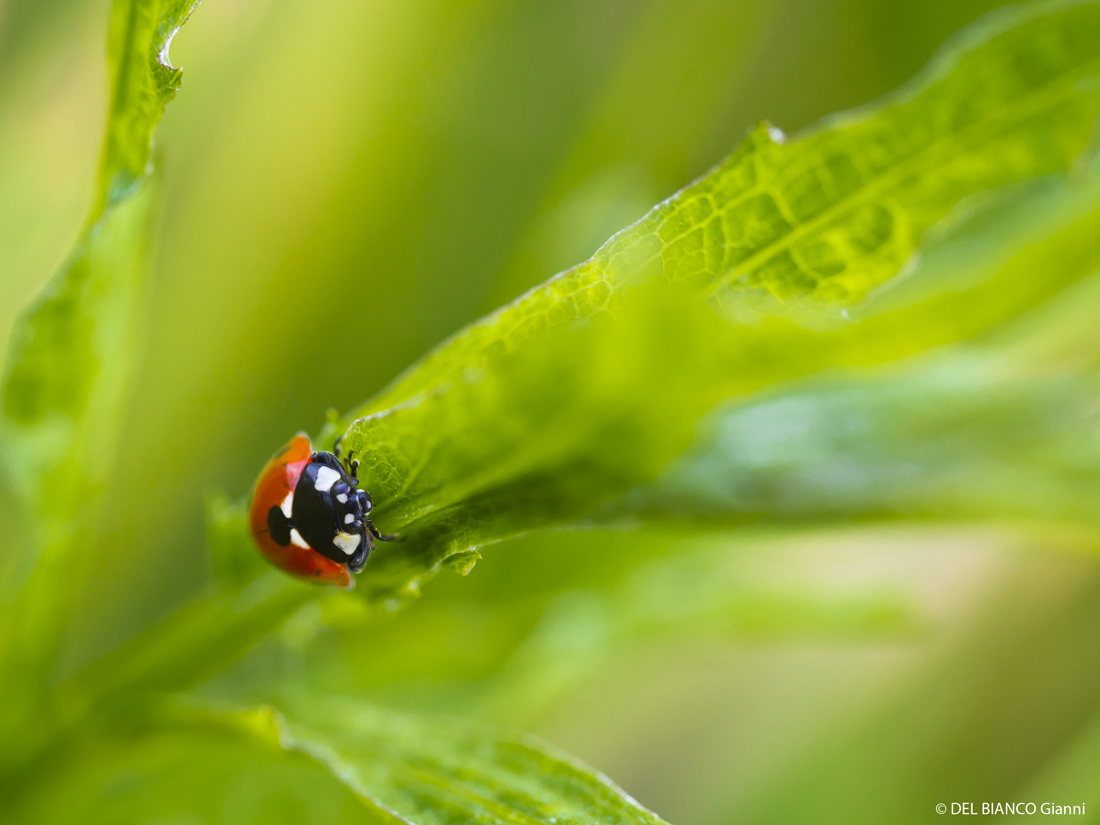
(279, 525)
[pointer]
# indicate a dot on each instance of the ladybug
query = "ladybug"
(307, 516)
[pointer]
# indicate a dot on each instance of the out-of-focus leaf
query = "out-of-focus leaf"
(68, 368)
(970, 720)
(397, 767)
(707, 594)
(1071, 779)
(439, 771)
(588, 385)
(211, 773)
(963, 440)
(551, 610)
(233, 561)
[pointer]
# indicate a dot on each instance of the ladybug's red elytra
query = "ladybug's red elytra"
(308, 516)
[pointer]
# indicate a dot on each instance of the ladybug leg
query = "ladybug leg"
(352, 466)
(336, 446)
(362, 555)
(374, 531)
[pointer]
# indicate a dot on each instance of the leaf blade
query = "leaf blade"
(664, 238)
(485, 428)
(436, 771)
(984, 428)
(72, 357)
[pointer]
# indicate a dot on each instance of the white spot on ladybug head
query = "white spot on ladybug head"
(288, 504)
(342, 498)
(349, 518)
(326, 477)
(347, 542)
(296, 538)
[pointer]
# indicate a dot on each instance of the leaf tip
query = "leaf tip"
(464, 561)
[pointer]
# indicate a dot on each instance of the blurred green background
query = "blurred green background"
(409, 166)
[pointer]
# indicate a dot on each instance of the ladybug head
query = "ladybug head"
(351, 506)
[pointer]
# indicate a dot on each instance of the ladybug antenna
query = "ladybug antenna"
(336, 446)
(355, 472)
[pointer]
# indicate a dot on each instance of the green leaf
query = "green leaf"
(143, 82)
(1071, 775)
(69, 366)
(1004, 426)
(588, 385)
(209, 772)
(551, 611)
(957, 440)
(719, 589)
(438, 771)
(233, 560)
(359, 763)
